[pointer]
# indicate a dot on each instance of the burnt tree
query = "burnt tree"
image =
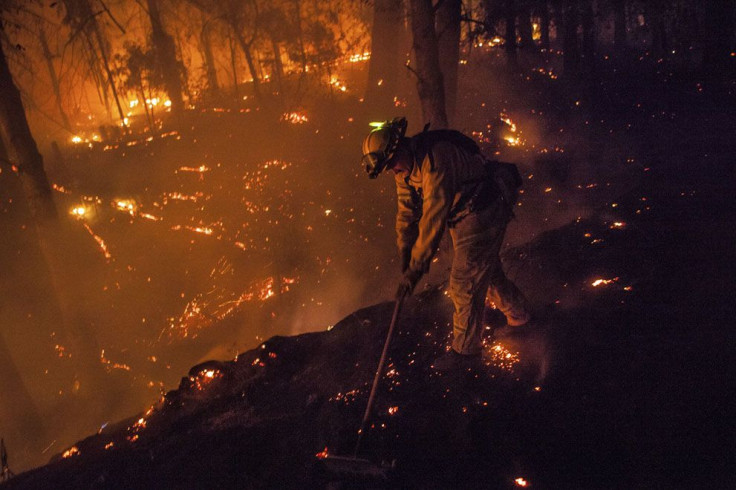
(544, 21)
(526, 30)
(62, 249)
(448, 37)
(165, 53)
(205, 42)
(81, 18)
(430, 85)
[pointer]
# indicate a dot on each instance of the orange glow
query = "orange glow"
(72, 451)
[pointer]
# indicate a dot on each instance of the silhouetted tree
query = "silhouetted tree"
(164, 52)
(448, 37)
(544, 21)
(83, 21)
(426, 52)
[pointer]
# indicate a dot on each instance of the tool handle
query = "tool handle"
(379, 372)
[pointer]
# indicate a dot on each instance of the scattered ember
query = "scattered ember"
(109, 365)
(617, 224)
(499, 356)
(294, 117)
(109, 445)
(205, 377)
(521, 482)
(393, 410)
(346, 397)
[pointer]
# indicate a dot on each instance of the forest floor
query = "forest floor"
(621, 383)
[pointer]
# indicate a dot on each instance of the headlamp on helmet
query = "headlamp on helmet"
(381, 143)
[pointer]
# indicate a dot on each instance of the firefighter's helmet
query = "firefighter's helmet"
(381, 143)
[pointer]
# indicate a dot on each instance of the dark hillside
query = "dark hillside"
(619, 385)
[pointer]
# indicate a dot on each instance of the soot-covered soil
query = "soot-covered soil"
(621, 382)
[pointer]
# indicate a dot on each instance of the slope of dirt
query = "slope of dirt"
(621, 383)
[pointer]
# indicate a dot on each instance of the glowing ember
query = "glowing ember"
(78, 211)
(100, 242)
(72, 451)
(322, 454)
(76, 139)
(109, 445)
(355, 58)
(603, 282)
(618, 224)
(294, 117)
(127, 205)
(514, 138)
(109, 365)
(498, 355)
(521, 482)
(335, 82)
(393, 410)
(200, 169)
(205, 377)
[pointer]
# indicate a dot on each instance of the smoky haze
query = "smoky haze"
(239, 218)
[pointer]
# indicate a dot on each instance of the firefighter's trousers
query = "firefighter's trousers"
(476, 270)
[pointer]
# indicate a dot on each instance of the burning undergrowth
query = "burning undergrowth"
(302, 395)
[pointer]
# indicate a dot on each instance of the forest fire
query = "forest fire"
(179, 186)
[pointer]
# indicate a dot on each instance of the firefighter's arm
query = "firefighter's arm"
(407, 219)
(437, 186)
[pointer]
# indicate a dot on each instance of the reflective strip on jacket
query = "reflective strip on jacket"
(441, 189)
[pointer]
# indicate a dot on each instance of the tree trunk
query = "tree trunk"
(300, 34)
(571, 57)
(22, 147)
(526, 31)
(544, 20)
(278, 66)
(429, 76)
(245, 47)
(619, 27)
(63, 253)
(54, 78)
(209, 59)
(165, 53)
(108, 70)
(234, 67)
(385, 64)
(448, 38)
(510, 36)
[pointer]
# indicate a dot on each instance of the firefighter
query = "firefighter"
(444, 181)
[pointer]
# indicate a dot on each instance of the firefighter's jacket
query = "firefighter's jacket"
(444, 186)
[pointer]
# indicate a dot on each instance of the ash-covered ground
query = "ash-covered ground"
(236, 224)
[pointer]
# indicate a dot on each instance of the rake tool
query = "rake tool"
(354, 467)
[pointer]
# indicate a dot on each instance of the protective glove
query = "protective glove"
(408, 283)
(405, 257)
